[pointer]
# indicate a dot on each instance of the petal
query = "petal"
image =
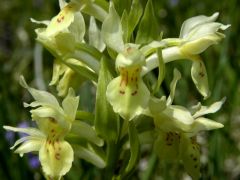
(209, 109)
(129, 103)
(58, 70)
(190, 155)
(205, 30)
(62, 21)
(64, 42)
(70, 104)
(30, 145)
(27, 138)
(201, 44)
(167, 146)
(177, 76)
(190, 23)
(200, 78)
(62, 3)
(43, 114)
(156, 105)
(95, 37)
(56, 160)
(65, 82)
(174, 118)
(130, 57)
(112, 30)
(77, 28)
(203, 124)
(180, 113)
(29, 131)
(40, 96)
(46, 22)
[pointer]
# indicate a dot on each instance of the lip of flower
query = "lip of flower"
(177, 129)
(127, 93)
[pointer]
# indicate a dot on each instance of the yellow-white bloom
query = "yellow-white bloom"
(200, 32)
(64, 31)
(127, 93)
(177, 128)
(197, 34)
(54, 122)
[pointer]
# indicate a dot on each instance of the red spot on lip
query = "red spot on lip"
(134, 93)
(60, 19)
(57, 156)
(122, 92)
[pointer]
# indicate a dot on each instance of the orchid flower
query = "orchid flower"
(54, 122)
(196, 35)
(127, 93)
(177, 129)
(64, 31)
(64, 77)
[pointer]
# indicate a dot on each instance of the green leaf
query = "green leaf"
(89, 155)
(148, 28)
(122, 5)
(135, 14)
(82, 71)
(106, 121)
(134, 147)
(85, 54)
(97, 9)
(83, 130)
(83, 115)
(103, 4)
(124, 22)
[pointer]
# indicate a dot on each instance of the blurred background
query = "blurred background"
(20, 54)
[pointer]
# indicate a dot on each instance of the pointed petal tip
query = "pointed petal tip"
(8, 128)
(215, 15)
(22, 82)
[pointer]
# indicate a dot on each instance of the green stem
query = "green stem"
(83, 115)
(150, 169)
(112, 157)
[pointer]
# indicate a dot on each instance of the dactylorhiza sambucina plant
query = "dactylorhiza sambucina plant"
(91, 40)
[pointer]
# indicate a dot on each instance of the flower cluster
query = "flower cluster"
(105, 51)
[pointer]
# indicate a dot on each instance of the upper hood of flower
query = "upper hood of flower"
(47, 106)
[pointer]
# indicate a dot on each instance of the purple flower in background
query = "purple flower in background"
(173, 3)
(33, 161)
(23, 124)
(10, 137)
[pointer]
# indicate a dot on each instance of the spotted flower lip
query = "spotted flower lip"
(177, 128)
(54, 122)
(127, 93)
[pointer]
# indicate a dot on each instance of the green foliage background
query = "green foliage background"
(221, 157)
